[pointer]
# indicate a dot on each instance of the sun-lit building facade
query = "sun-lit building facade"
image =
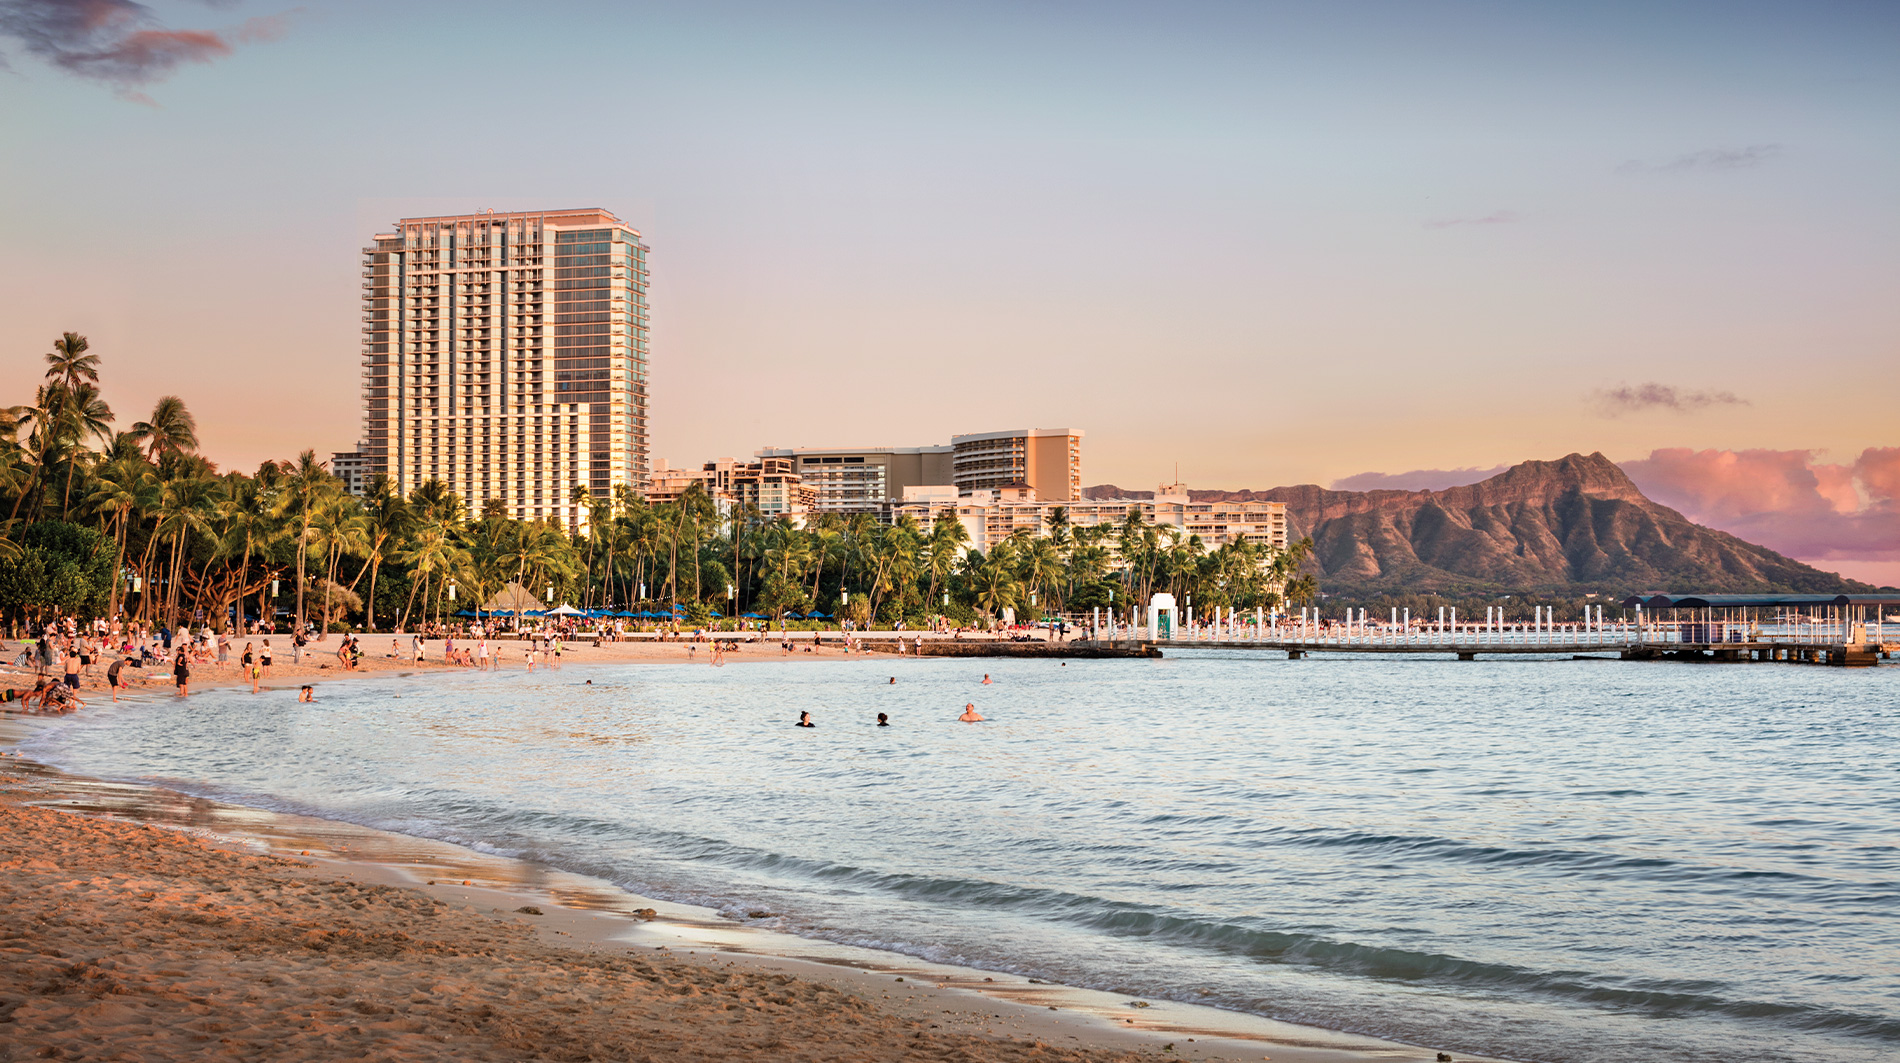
(505, 354)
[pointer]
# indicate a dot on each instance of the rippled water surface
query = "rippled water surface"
(1546, 860)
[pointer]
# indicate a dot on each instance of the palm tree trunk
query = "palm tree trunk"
(375, 564)
(302, 547)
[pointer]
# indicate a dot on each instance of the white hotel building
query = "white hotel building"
(506, 356)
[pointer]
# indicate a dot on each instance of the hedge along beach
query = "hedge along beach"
(1191, 830)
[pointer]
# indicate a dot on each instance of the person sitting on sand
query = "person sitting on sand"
(970, 715)
(307, 693)
(804, 720)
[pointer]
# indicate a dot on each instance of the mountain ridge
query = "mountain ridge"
(1575, 523)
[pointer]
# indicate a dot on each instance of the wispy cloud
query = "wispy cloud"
(119, 42)
(1501, 217)
(1617, 401)
(1707, 159)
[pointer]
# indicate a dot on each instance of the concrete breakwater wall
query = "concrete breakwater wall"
(1001, 648)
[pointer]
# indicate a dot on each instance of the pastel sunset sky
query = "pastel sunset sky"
(1276, 243)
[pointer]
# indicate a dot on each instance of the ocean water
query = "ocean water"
(1538, 859)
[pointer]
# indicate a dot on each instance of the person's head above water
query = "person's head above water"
(883, 720)
(970, 715)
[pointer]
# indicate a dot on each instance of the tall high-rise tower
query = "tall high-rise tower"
(506, 356)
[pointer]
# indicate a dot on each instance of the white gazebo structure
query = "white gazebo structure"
(1163, 618)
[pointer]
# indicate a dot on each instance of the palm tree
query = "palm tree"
(947, 536)
(122, 487)
(338, 527)
(69, 365)
(994, 580)
(388, 521)
(306, 484)
(184, 506)
(171, 430)
(87, 414)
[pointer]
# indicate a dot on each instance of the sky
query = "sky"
(1274, 243)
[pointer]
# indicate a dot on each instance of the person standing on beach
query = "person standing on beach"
(481, 655)
(181, 672)
(250, 666)
(263, 659)
(112, 675)
(71, 660)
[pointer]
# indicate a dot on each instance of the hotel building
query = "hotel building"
(992, 516)
(506, 356)
(1049, 460)
(769, 484)
(862, 480)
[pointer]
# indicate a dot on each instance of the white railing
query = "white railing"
(1520, 636)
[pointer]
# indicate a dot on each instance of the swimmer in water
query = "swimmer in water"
(307, 693)
(970, 715)
(893, 680)
(883, 720)
(986, 679)
(804, 720)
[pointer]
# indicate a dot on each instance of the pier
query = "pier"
(1847, 630)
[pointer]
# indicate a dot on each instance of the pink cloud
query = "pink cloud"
(1824, 513)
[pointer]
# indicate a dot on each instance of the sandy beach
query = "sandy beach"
(218, 931)
(319, 662)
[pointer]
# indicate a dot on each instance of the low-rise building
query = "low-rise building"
(863, 479)
(770, 484)
(992, 516)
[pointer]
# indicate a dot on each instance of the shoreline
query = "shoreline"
(596, 917)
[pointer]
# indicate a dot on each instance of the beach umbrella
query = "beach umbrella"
(565, 610)
(816, 615)
(754, 616)
(716, 612)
